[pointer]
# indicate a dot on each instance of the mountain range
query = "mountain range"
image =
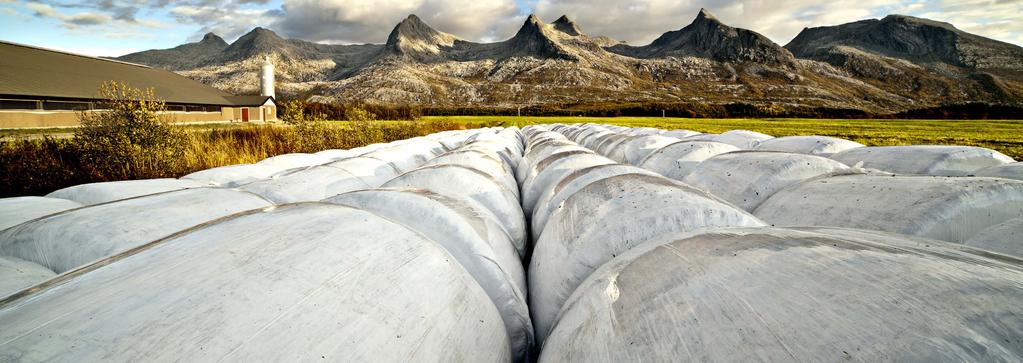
(880, 65)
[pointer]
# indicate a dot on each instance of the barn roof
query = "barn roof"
(39, 72)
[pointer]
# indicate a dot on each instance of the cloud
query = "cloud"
(359, 21)
(228, 21)
(71, 21)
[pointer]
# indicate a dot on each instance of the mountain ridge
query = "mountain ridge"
(706, 61)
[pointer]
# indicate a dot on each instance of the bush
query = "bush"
(128, 139)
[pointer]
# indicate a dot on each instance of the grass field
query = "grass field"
(1005, 136)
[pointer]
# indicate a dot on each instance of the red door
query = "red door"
(245, 114)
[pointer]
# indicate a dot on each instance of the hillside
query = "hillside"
(887, 65)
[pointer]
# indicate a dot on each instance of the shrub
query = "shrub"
(127, 139)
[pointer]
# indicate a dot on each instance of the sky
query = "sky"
(117, 27)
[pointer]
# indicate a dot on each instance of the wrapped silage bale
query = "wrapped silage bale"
(18, 210)
(676, 160)
(747, 178)
(233, 175)
(483, 160)
(924, 159)
(1008, 171)
(571, 183)
(535, 157)
(679, 133)
(945, 208)
(307, 185)
(551, 171)
(295, 160)
(463, 181)
(336, 154)
(1005, 237)
(743, 139)
(96, 193)
(371, 170)
(635, 149)
(607, 218)
(301, 282)
(460, 227)
(17, 274)
(809, 295)
(72, 238)
(813, 145)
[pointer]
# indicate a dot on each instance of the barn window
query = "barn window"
(66, 106)
(18, 105)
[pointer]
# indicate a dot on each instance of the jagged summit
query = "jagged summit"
(905, 37)
(708, 37)
(567, 26)
(412, 36)
(211, 38)
(536, 39)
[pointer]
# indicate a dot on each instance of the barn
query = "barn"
(47, 88)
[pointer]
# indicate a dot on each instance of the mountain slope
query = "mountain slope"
(184, 56)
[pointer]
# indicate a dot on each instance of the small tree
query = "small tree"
(126, 139)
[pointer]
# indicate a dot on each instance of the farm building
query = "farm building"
(47, 88)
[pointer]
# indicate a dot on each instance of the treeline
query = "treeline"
(289, 109)
(969, 111)
(687, 110)
(370, 111)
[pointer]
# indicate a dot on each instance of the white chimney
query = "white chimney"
(266, 79)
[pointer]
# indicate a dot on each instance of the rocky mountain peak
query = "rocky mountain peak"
(708, 37)
(567, 26)
(536, 38)
(211, 38)
(412, 36)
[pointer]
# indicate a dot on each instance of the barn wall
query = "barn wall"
(32, 119)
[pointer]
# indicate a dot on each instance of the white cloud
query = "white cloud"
(358, 21)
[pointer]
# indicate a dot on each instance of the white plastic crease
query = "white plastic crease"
(96, 193)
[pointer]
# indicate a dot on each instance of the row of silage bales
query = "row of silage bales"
(1012, 170)
(463, 200)
(808, 294)
(660, 315)
(306, 281)
(616, 211)
(289, 282)
(83, 223)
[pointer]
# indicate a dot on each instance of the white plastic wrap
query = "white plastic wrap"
(607, 218)
(17, 274)
(305, 282)
(96, 193)
(552, 170)
(67, 240)
(372, 171)
(1005, 237)
(1008, 171)
(945, 208)
(291, 161)
(924, 159)
(747, 178)
(460, 227)
(552, 198)
(675, 161)
(307, 185)
(635, 149)
(816, 295)
(18, 210)
(743, 139)
(813, 145)
(460, 181)
(483, 160)
(233, 175)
